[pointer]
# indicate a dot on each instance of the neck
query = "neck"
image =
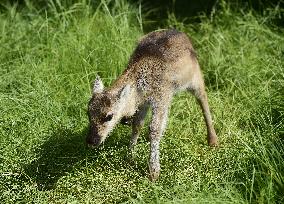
(130, 105)
(130, 102)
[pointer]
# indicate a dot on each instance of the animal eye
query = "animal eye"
(108, 118)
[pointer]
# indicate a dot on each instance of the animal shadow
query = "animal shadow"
(56, 156)
(63, 151)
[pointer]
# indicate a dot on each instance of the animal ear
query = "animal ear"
(125, 92)
(98, 85)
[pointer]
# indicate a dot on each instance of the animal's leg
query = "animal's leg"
(137, 124)
(157, 127)
(197, 87)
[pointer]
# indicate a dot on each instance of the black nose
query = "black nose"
(93, 138)
(93, 141)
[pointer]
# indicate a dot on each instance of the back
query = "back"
(154, 58)
(167, 45)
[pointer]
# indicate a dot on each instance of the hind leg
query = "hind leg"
(197, 88)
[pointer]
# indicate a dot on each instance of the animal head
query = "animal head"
(105, 110)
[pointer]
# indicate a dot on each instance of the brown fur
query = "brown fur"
(163, 63)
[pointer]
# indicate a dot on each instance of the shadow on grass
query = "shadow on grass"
(57, 156)
(65, 150)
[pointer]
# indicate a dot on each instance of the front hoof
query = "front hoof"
(154, 176)
(213, 142)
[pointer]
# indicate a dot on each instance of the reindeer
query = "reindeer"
(163, 63)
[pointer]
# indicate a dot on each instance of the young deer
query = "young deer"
(163, 63)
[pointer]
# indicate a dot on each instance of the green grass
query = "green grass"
(48, 59)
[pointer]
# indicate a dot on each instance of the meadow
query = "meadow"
(51, 51)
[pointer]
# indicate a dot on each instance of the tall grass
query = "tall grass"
(50, 53)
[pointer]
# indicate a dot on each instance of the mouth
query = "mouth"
(91, 146)
(93, 143)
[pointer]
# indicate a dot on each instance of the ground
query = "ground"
(50, 54)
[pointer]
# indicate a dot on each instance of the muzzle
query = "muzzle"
(93, 139)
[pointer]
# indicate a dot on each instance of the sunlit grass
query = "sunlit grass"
(48, 59)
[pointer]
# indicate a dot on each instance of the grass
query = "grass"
(51, 53)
